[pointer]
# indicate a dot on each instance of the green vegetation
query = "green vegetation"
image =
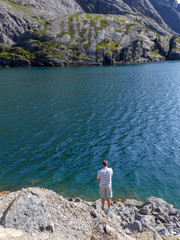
(155, 53)
(104, 23)
(102, 45)
(35, 17)
(118, 30)
(176, 45)
(157, 34)
(82, 34)
(49, 49)
(113, 46)
(62, 25)
(120, 20)
(15, 53)
(93, 19)
(97, 17)
(78, 26)
(46, 26)
(70, 24)
(127, 28)
(74, 58)
(16, 5)
(85, 22)
(62, 34)
(76, 49)
(176, 39)
(109, 45)
(19, 7)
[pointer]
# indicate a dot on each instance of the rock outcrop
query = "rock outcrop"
(28, 213)
(55, 217)
(58, 33)
(169, 11)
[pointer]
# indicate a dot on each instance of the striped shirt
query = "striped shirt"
(105, 176)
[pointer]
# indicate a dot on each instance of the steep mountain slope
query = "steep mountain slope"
(105, 6)
(138, 8)
(18, 16)
(162, 11)
(54, 33)
(169, 11)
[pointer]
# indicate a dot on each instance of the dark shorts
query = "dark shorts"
(105, 191)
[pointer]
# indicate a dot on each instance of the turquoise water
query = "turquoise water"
(58, 124)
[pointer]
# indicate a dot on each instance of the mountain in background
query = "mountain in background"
(163, 11)
(65, 32)
(169, 11)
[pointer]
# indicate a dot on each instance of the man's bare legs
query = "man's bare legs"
(103, 202)
(109, 202)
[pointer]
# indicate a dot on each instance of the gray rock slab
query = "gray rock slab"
(133, 202)
(136, 226)
(28, 213)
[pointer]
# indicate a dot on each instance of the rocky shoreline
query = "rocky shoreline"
(36, 213)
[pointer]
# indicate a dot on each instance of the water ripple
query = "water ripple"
(57, 124)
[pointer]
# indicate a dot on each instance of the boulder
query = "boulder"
(156, 206)
(136, 226)
(134, 203)
(28, 213)
(147, 221)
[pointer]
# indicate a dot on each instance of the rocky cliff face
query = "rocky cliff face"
(105, 6)
(59, 33)
(169, 11)
(163, 11)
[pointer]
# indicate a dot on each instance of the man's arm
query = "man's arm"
(98, 177)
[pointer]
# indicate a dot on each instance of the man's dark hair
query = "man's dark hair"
(105, 163)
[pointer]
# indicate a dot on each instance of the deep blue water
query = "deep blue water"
(58, 124)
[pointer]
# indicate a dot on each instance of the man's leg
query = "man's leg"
(102, 194)
(109, 202)
(103, 202)
(109, 196)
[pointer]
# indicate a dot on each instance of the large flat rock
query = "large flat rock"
(28, 213)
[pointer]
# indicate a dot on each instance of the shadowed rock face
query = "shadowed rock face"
(145, 7)
(170, 12)
(105, 6)
(163, 11)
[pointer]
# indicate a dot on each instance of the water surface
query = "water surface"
(58, 124)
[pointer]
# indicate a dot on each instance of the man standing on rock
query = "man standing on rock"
(104, 176)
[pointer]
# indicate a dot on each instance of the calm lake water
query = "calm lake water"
(58, 124)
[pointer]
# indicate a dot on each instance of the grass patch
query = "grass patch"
(59, 35)
(62, 25)
(118, 30)
(155, 53)
(104, 23)
(74, 58)
(102, 45)
(85, 22)
(120, 20)
(127, 28)
(76, 49)
(15, 53)
(19, 7)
